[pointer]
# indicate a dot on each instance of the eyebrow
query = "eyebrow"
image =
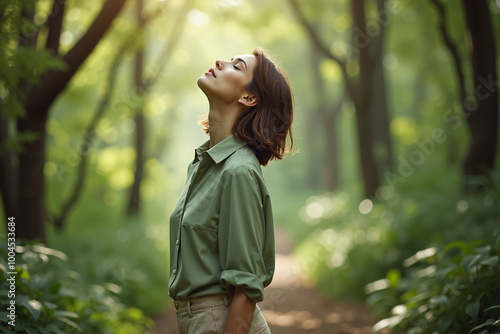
(240, 60)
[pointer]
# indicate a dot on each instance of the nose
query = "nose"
(219, 64)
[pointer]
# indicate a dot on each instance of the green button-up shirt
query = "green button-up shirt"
(221, 230)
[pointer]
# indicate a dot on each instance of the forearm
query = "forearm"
(240, 313)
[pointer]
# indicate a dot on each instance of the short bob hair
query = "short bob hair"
(266, 126)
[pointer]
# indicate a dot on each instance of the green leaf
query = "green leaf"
(441, 274)
(420, 255)
(27, 330)
(455, 244)
(55, 329)
(43, 330)
(69, 323)
(3, 316)
(66, 314)
(50, 306)
(491, 308)
(49, 251)
(472, 309)
(6, 331)
(444, 323)
(484, 251)
(440, 300)
(469, 261)
(33, 306)
(491, 261)
(487, 323)
(388, 323)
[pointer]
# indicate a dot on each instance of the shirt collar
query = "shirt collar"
(221, 150)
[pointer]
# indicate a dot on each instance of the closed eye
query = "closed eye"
(236, 68)
(239, 61)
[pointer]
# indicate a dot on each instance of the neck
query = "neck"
(221, 122)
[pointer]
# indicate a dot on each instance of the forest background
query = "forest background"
(396, 143)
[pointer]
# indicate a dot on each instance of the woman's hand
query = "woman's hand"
(240, 313)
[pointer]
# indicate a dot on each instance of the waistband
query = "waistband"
(200, 303)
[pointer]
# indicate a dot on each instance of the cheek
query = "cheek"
(234, 80)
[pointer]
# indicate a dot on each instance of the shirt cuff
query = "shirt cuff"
(249, 283)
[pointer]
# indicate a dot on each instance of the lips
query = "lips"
(211, 72)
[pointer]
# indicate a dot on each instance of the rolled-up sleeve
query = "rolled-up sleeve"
(242, 229)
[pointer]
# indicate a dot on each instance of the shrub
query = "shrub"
(50, 298)
(454, 290)
(132, 255)
(352, 244)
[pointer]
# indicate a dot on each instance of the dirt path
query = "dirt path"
(291, 306)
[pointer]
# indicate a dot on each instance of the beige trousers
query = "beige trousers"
(208, 315)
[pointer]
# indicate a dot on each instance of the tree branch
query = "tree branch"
(90, 130)
(88, 138)
(320, 45)
(378, 41)
(452, 48)
(44, 95)
(54, 24)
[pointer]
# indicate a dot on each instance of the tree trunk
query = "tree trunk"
(31, 202)
(483, 119)
(358, 87)
(314, 158)
(323, 160)
(142, 87)
(133, 207)
(8, 170)
(362, 100)
(453, 49)
(331, 153)
(382, 144)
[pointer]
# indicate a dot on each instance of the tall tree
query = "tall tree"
(480, 108)
(323, 122)
(143, 84)
(366, 54)
(140, 90)
(89, 137)
(30, 206)
(483, 119)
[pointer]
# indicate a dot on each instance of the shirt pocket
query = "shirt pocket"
(203, 240)
(203, 208)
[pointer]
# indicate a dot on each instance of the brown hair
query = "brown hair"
(266, 126)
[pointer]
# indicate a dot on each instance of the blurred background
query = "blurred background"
(390, 195)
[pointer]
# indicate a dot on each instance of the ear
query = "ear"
(248, 99)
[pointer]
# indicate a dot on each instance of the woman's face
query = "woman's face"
(227, 81)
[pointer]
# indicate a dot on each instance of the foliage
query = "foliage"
(353, 245)
(21, 65)
(133, 256)
(50, 298)
(454, 290)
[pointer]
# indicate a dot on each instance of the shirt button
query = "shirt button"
(177, 242)
(173, 272)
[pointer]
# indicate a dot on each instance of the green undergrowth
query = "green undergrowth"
(454, 289)
(131, 255)
(350, 244)
(42, 294)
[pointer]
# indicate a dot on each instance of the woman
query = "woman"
(221, 230)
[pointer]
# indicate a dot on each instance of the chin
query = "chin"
(202, 85)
